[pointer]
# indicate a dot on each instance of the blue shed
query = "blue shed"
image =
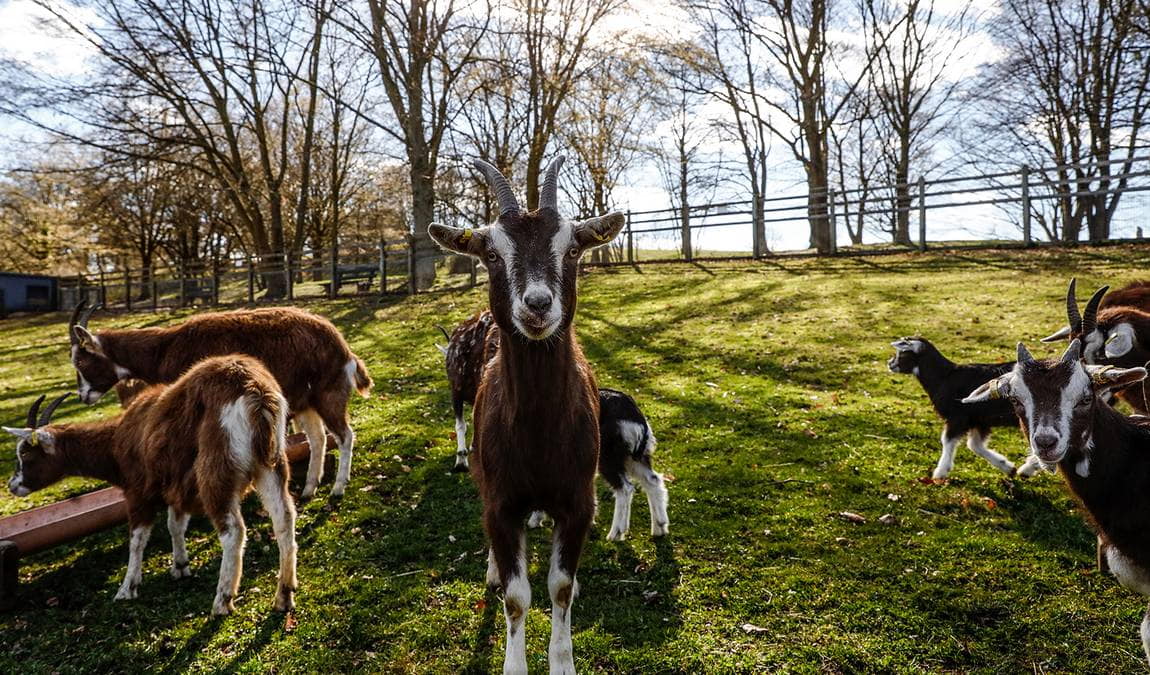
(27, 293)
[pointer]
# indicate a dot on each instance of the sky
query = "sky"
(25, 36)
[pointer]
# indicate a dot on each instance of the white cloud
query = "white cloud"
(32, 35)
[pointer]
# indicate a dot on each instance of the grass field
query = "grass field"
(767, 387)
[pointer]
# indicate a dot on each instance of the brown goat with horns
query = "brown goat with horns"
(197, 445)
(537, 408)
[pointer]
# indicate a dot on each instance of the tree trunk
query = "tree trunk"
(422, 214)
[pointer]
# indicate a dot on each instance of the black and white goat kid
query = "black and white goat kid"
(1103, 455)
(946, 383)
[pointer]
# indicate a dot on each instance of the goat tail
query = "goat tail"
(269, 413)
(360, 379)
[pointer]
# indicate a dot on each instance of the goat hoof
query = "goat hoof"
(461, 465)
(337, 490)
(660, 530)
(126, 594)
(617, 535)
(284, 602)
(180, 571)
(223, 607)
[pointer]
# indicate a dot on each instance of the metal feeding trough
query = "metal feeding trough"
(50, 525)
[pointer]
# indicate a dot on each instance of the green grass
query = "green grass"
(767, 387)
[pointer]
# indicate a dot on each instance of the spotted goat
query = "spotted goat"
(536, 412)
(626, 440)
(1103, 455)
(195, 446)
(306, 354)
(946, 383)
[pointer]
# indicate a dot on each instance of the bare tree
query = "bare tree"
(559, 51)
(423, 48)
(604, 124)
(1071, 96)
(911, 84)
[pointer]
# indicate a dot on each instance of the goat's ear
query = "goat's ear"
(1121, 341)
(1107, 378)
(598, 231)
(907, 345)
(997, 388)
(463, 240)
(87, 341)
(22, 434)
(1060, 334)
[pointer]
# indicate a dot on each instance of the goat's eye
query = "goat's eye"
(573, 251)
(492, 256)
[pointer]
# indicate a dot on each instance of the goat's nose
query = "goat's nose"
(538, 300)
(1045, 441)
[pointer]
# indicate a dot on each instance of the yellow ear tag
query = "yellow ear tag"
(600, 237)
(466, 236)
(34, 438)
(1097, 376)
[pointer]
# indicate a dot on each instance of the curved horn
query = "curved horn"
(498, 184)
(1072, 315)
(1073, 352)
(1090, 314)
(31, 421)
(75, 319)
(1024, 354)
(88, 314)
(46, 418)
(549, 192)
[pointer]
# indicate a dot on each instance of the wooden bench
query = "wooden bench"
(362, 275)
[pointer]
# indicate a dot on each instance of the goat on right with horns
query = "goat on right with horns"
(536, 415)
(1103, 455)
(1114, 330)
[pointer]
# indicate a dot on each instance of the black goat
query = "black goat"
(947, 383)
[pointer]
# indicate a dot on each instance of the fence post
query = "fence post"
(833, 229)
(685, 217)
(155, 291)
(1025, 175)
(183, 284)
(251, 280)
(382, 267)
(473, 277)
(333, 289)
(288, 275)
(630, 240)
(921, 213)
(127, 288)
(411, 289)
(215, 281)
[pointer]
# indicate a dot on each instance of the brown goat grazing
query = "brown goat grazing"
(537, 409)
(1103, 455)
(197, 445)
(626, 441)
(1113, 333)
(305, 353)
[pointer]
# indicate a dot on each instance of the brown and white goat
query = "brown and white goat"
(1114, 330)
(465, 356)
(626, 440)
(537, 409)
(307, 355)
(1103, 455)
(197, 445)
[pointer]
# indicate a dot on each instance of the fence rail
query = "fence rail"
(1019, 207)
